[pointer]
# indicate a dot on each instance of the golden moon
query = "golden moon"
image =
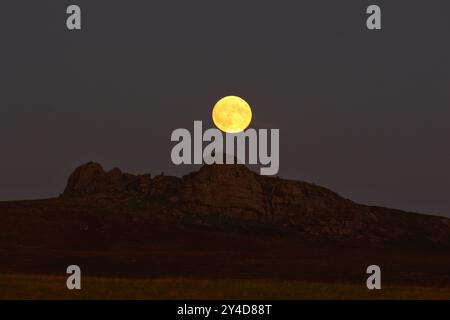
(232, 114)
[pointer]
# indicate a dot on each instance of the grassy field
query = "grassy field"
(52, 287)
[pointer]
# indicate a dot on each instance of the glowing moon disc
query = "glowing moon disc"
(232, 114)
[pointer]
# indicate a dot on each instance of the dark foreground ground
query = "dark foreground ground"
(52, 287)
(43, 237)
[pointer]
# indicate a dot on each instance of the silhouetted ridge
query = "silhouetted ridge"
(236, 192)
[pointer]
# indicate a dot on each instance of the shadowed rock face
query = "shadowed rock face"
(236, 192)
(231, 190)
(91, 179)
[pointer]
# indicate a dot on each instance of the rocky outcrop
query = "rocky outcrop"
(231, 190)
(92, 179)
(236, 192)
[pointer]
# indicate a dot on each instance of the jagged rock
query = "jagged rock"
(164, 187)
(91, 178)
(231, 190)
(235, 191)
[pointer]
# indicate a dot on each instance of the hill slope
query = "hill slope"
(219, 222)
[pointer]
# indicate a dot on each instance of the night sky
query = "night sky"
(364, 113)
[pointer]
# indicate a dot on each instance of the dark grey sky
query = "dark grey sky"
(363, 113)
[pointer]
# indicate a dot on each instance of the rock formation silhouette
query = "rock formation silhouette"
(235, 192)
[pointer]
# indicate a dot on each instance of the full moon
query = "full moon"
(232, 114)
